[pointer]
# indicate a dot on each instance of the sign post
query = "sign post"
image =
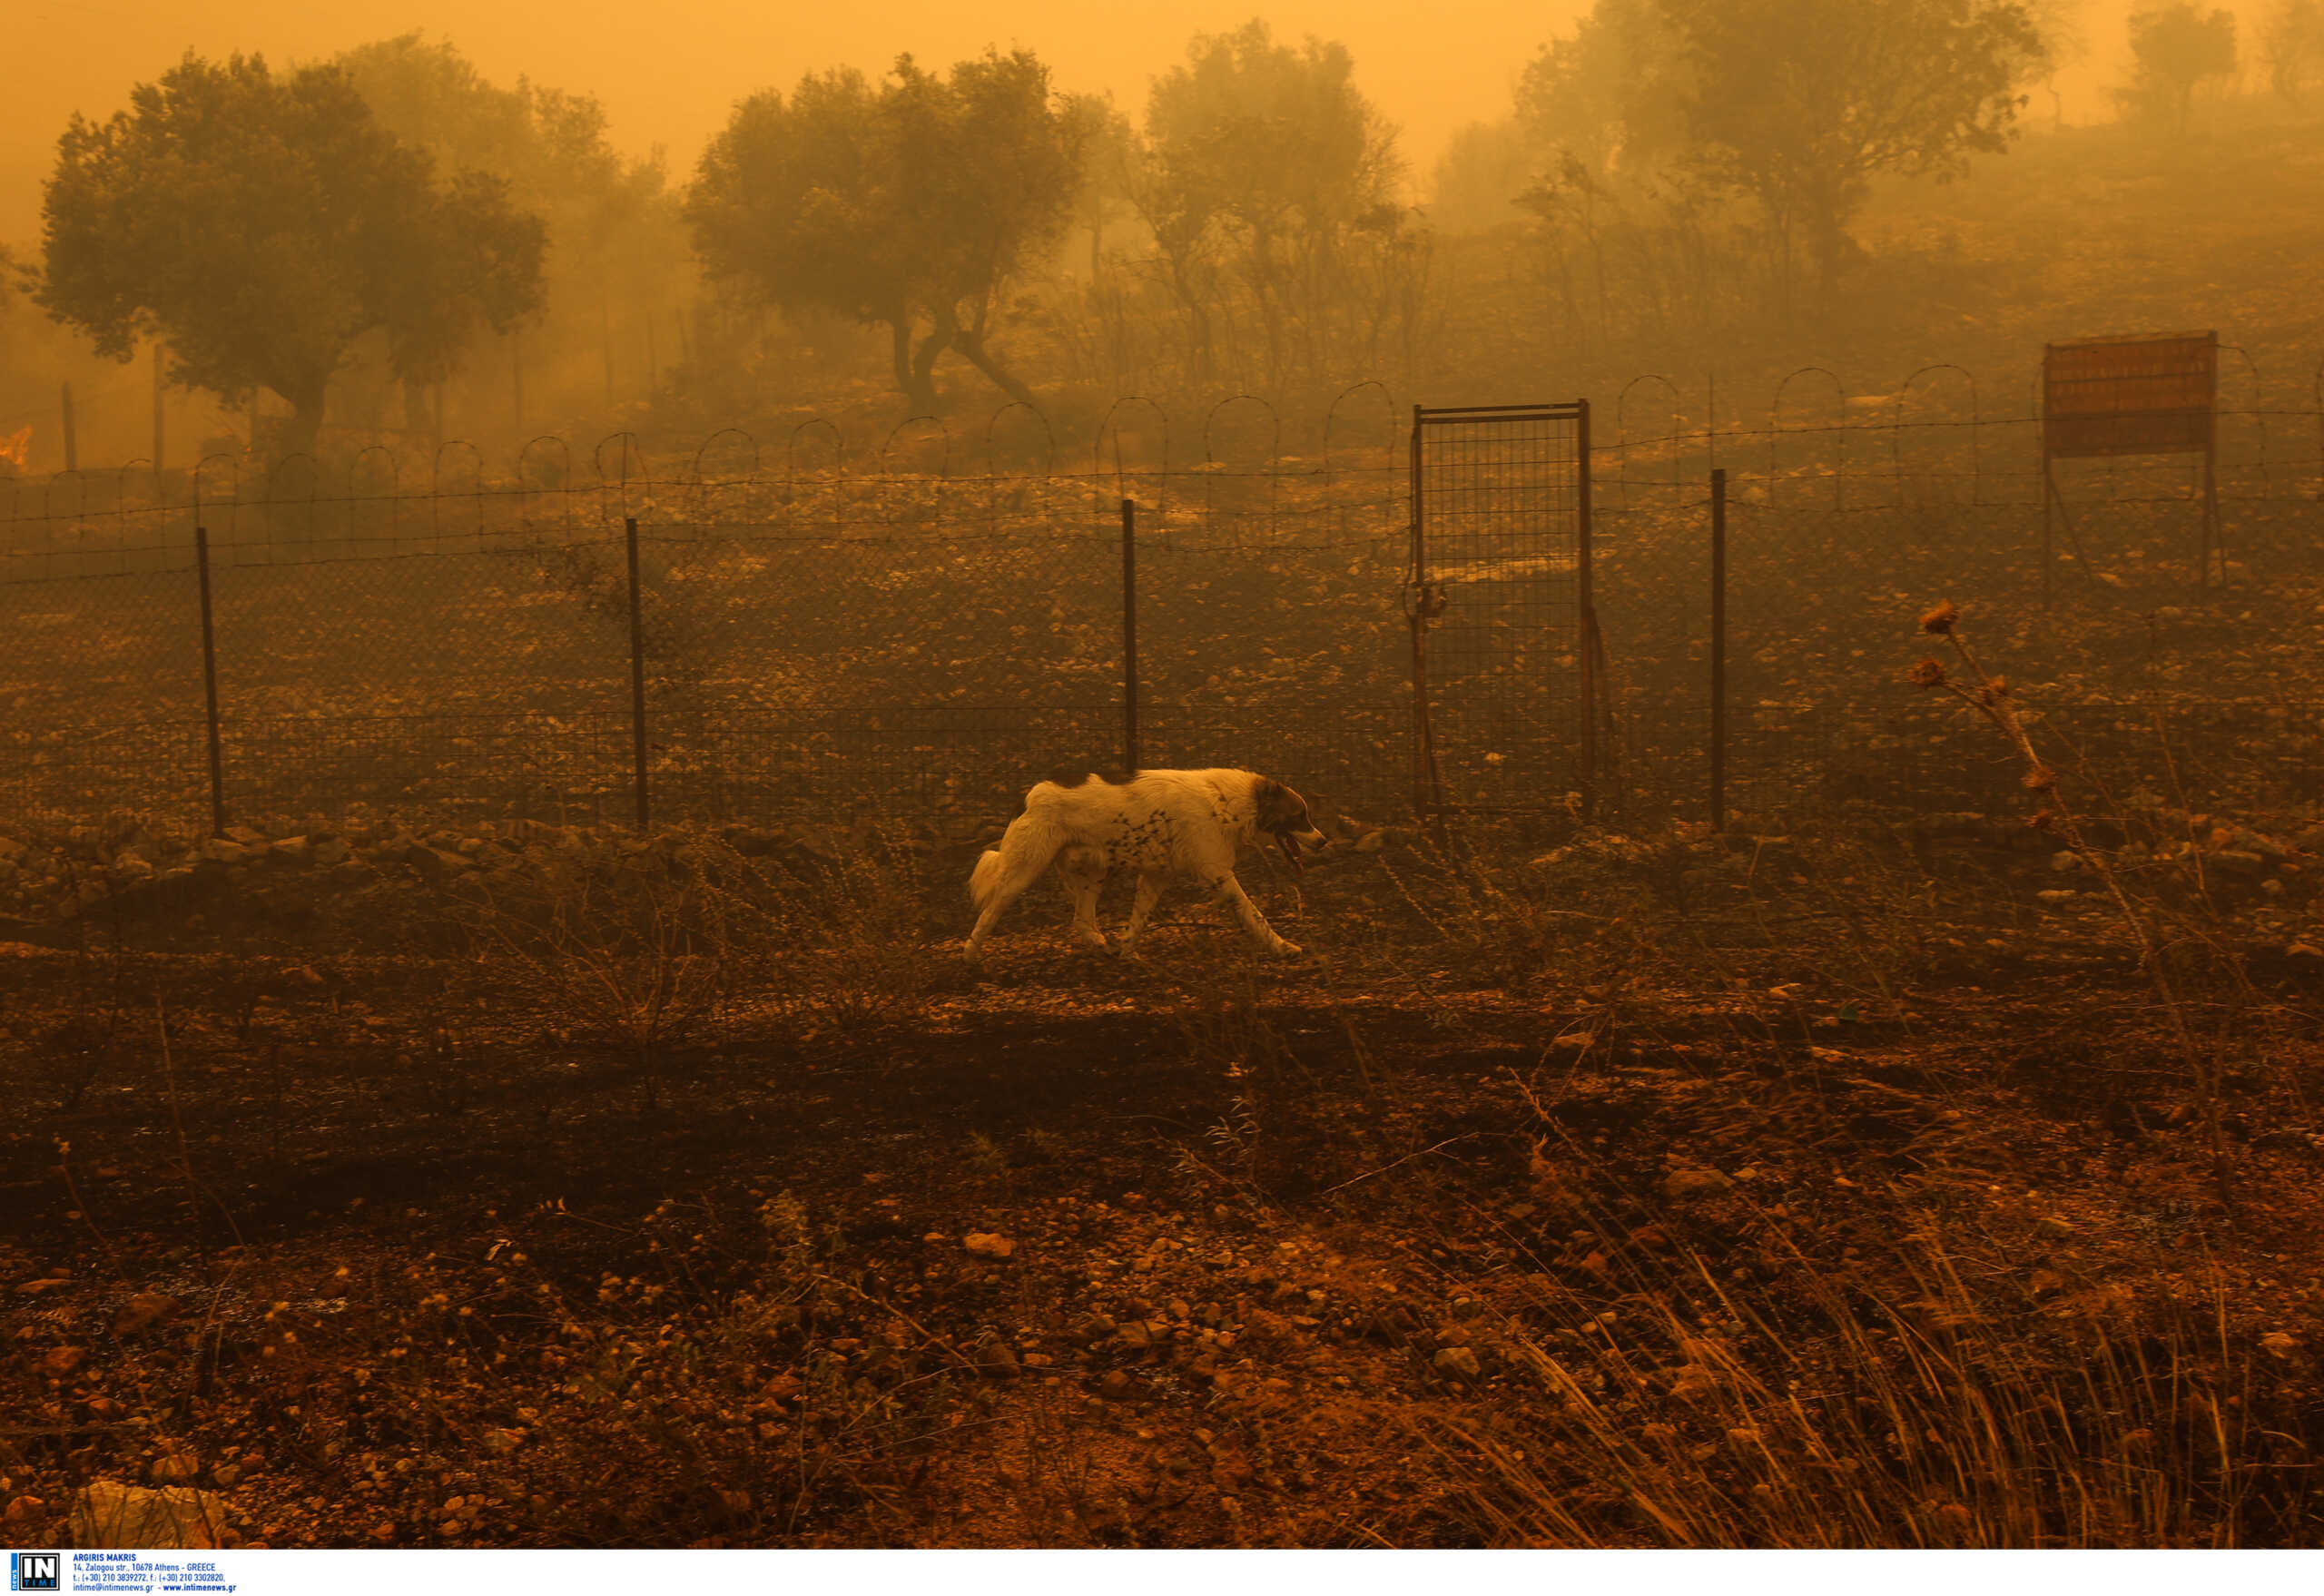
(2148, 395)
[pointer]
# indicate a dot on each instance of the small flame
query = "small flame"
(16, 449)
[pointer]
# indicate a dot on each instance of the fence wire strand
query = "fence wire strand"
(916, 632)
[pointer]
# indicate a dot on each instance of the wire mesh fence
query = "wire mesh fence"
(827, 632)
(1500, 551)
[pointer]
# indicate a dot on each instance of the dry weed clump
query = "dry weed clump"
(1515, 922)
(680, 941)
(2168, 961)
(828, 940)
(627, 949)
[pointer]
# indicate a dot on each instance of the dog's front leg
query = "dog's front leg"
(1230, 892)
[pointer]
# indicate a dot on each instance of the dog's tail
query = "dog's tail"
(985, 878)
(1033, 837)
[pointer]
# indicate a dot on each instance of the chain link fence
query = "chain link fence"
(816, 635)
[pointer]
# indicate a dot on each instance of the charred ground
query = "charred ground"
(1580, 1190)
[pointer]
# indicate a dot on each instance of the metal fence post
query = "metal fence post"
(210, 685)
(1129, 637)
(72, 433)
(636, 673)
(157, 410)
(1586, 602)
(1719, 649)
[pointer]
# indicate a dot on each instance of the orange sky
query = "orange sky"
(668, 72)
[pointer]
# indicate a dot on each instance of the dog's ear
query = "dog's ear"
(1279, 808)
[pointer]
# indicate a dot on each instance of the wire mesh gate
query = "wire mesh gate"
(1505, 639)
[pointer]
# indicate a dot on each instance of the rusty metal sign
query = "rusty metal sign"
(2130, 396)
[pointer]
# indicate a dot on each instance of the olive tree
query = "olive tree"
(915, 204)
(259, 225)
(1803, 104)
(2173, 49)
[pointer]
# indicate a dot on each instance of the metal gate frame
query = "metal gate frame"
(1425, 600)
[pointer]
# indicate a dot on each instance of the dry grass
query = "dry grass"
(1917, 1401)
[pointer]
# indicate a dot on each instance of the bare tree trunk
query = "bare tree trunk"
(915, 369)
(899, 351)
(972, 349)
(306, 400)
(924, 369)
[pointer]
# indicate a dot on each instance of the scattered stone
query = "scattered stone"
(1682, 1183)
(996, 1360)
(34, 1287)
(113, 1515)
(1095, 1328)
(176, 1468)
(1457, 1363)
(2239, 861)
(988, 1245)
(1134, 1334)
(225, 1474)
(436, 864)
(1114, 1385)
(143, 1311)
(1692, 1382)
(22, 1512)
(61, 1360)
(503, 1441)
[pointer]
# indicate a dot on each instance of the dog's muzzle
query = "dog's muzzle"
(1290, 842)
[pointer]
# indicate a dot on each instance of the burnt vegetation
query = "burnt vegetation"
(1923, 1150)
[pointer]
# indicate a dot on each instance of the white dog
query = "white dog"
(1159, 823)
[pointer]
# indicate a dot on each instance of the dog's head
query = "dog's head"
(1283, 815)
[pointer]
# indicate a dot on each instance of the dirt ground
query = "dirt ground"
(1712, 1191)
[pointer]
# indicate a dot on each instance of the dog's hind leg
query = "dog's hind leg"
(1083, 872)
(1149, 893)
(1230, 892)
(1014, 873)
